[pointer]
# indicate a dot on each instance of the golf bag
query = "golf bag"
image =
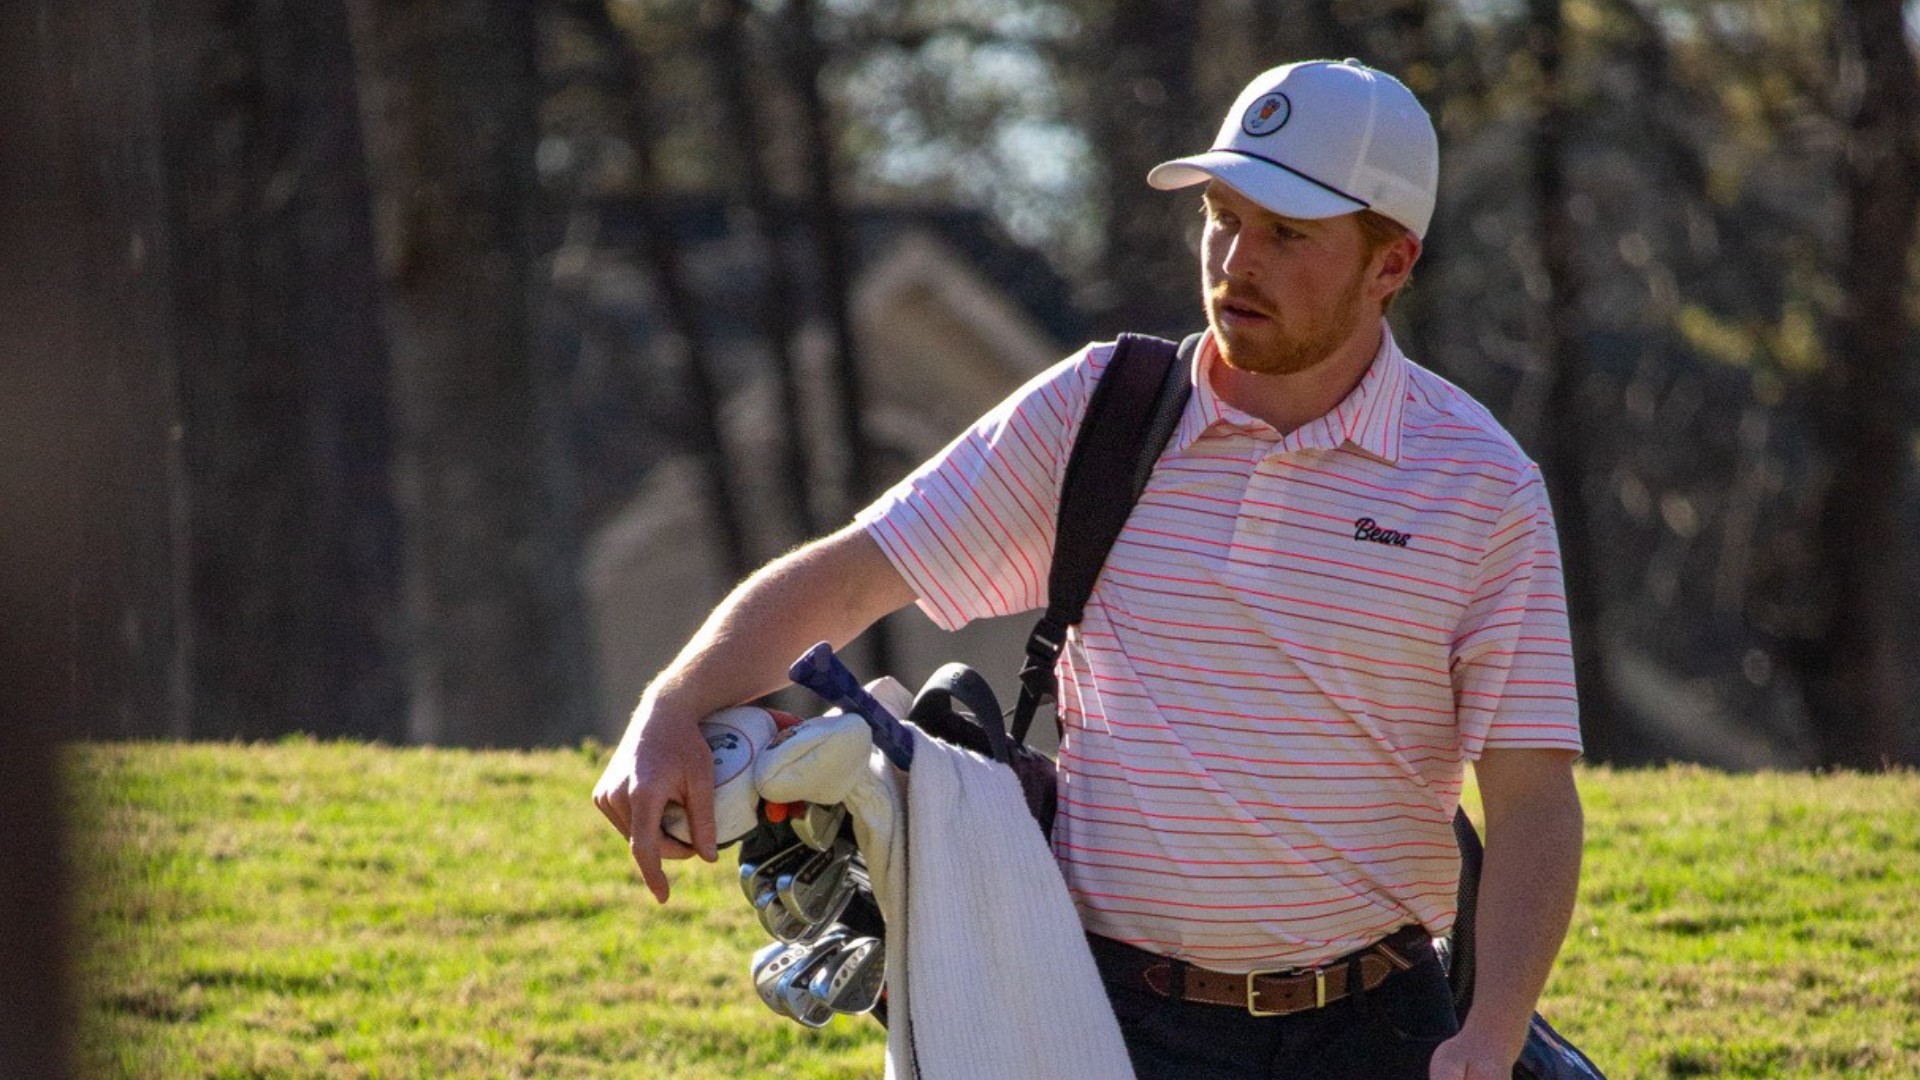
(1130, 418)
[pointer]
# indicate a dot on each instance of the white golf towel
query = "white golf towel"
(996, 982)
(988, 972)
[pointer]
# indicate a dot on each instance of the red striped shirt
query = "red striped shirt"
(1297, 644)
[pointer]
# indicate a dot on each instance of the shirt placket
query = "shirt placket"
(1256, 526)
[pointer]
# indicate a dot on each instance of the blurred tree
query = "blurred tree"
(1137, 68)
(93, 480)
(284, 530)
(732, 71)
(63, 516)
(805, 61)
(628, 86)
(1567, 439)
(498, 652)
(1857, 690)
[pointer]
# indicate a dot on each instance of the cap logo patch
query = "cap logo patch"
(1267, 115)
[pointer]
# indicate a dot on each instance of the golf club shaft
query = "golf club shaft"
(820, 671)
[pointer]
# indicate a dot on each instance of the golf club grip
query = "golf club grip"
(820, 671)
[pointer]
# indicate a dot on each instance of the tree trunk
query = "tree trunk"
(1143, 110)
(280, 527)
(97, 625)
(680, 308)
(1563, 456)
(807, 62)
(497, 640)
(71, 77)
(779, 298)
(1855, 684)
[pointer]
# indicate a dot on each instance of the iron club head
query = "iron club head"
(784, 925)
(769, 963)
(758, 880)
(793, 987)
(852, 980)
(820, 825)
(813, 890)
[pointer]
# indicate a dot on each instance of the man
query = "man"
(1339, 587)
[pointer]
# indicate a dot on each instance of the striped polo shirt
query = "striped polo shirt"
(1295, 647)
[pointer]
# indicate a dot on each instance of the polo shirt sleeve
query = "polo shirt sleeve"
(972, 529)
(1513, 656)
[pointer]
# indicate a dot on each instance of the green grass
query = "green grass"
(312, 909)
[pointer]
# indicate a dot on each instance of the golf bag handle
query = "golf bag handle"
(957, 684)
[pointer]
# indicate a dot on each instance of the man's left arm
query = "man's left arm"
(1534, 831)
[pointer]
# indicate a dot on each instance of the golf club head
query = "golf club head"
(769, 963)
(823, 910)
(763, 843)
(820, 826)
(784, 925)
(851, 982)
(812, 890)
(793, 987)
(761, 884)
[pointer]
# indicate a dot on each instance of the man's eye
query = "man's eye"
(1285, 233)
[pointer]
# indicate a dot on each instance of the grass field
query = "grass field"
(307, 909)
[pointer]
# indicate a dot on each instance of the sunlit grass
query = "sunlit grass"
(308, 909)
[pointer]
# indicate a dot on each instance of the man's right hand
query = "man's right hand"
(829, 590)
(662, 759)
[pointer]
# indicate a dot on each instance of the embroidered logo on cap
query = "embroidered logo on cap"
(1268, 115)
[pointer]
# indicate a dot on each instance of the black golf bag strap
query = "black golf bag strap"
(959, 685)
(1460, 961)
(1129, 420)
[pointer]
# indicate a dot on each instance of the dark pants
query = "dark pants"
(1389, 1033)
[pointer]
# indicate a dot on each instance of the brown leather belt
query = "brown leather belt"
(1264, 993)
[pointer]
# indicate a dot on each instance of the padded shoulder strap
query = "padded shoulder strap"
(1129, 420)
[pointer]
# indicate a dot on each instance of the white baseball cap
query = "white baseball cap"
(1322, 138)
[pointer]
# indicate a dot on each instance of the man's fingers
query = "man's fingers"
(699, 804)
(639, 785)
(645, 844)
(615, 809)
(650, 871)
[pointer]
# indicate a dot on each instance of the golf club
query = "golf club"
(812, 890)
(758, 880)
(851, 982)
(769, 963)
(820, 671)
(820, 825)
(793, 986)
(773, 962)
(784, 925)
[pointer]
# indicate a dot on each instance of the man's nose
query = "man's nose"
(1243, 259)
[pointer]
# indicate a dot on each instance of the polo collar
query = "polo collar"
(1368, 418)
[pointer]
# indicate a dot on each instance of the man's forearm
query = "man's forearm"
(1527, 890)
(831, 590)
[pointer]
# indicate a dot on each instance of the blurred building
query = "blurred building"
(950, 317)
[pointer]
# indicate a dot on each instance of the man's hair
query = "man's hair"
(1378, 231)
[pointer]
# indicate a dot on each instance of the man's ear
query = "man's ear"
(1398, 257)
(1394, 265)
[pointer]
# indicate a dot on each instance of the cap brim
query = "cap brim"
(1268, 184)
